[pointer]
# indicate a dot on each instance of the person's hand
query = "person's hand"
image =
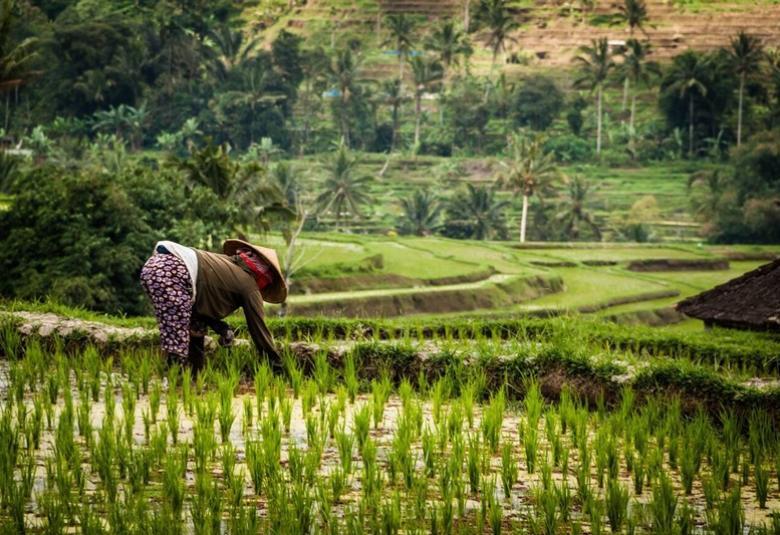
(227, 338)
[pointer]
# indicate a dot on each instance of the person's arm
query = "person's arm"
(254, 314)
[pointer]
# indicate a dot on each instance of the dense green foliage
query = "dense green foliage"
(82, 238)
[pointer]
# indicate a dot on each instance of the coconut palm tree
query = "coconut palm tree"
(15, 58)
(428, 72)
(495, 14)
(636, 68)
(344, 75)
(746, 55)
(685, 77)
(529, 170)
(594, 66)
(421, 213)
(343, 192)
(449, 43)
(228, 49)
(391, 93)
(401, 33)
(574, 213)
(477, 210)
(632, 13)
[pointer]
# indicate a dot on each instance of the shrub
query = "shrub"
(537, 102)
(569, 148)
(82, 238)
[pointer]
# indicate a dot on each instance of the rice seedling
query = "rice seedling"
(380, 393)
(225, 416)
(530, 437)
(762, 484)
(294, 374)
(728, 517)
(173, 413)
(509, 471)
(351, 381)
(546, 518)
(155, 397)
(663, 505)
(617, 505)
(173, 479)
(492, 421)
(595, 508)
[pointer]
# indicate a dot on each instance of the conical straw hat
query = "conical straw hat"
(276, 292)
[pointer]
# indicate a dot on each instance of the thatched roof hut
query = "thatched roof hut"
(751, 301)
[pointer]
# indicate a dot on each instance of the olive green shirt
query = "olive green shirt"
(224, 284)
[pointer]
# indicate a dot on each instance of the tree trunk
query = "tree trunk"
(598, 122)
(690, 125)
(626, 86)
(631, 130)
(417, 113)
(7, 110)
(524, 219)
(394, 141)
(466, 15)
(739, 110)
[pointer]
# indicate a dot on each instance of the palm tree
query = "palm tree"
(421, 212)
(531, 169)
(401, 30)
(496, 16)
(574, 212)
(449, 43)
(477, 209)
(287, 182)
(228, 50)
(391, 92)
(773, 75)
(14, 57)
(427, 73)
(746, 54)
(638, 70)
(634, 14)
(343, 192)
(705, 189)
(344, 75)
(595, 63)
(686, 77)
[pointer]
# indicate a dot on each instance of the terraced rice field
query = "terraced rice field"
(542, 426)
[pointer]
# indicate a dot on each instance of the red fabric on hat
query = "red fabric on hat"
(264, 275)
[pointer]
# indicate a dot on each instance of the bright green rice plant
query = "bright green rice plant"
(686, 519)
(225, 415)
(391, 515)
(380, 393)
(595, 508)
(762, 484)
(155, 396)
(721, 467)
(254, 463)
(338, 480)
(492, 420)
(351, 380)
(173, 479)
(547, 519)
(710, 490)
(564, 497)
(687, 469)
(509, 470)
(308, 397)
(294, 374)
(638, 476)
(262, 378)
(728, 517)
(173, 411)
(362, 424)
(553, 437)
(617, 504)
(186, 390)
(285, 411)
(323, 374)
(128, 409)
(533, 402)
(473, 462)
(495, 511)
(249, 412)
(663, 505)
(531, 444)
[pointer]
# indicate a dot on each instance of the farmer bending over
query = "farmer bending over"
(193, 289)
